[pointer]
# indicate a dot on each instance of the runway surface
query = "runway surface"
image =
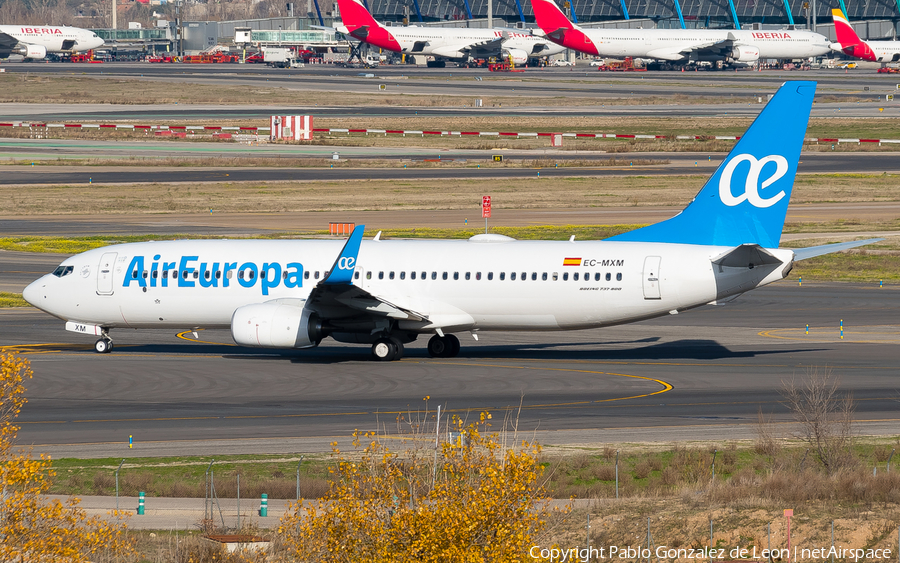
(858, 94)
(704, 374)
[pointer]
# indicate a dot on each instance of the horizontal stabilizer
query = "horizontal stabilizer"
(813, 251)
(744, 255)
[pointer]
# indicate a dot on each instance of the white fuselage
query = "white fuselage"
(457, 285)
(463, 42)
(885, 51)
(667, 44)
(56, 39)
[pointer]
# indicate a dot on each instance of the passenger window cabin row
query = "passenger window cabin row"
(502, 276)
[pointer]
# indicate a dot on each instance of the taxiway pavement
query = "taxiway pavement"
(703, 374)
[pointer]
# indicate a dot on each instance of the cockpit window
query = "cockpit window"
(63, 271)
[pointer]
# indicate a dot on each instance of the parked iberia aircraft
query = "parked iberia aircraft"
(851, 44)
(443, 43)
(36, 42)
(735, 47)
(294, 293)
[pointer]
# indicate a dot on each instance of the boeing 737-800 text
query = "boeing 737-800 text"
(294, 293)
(735, 47)
(34, 42)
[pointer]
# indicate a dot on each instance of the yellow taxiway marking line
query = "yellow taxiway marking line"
(665, 388)
(834, 333)
(182, 335)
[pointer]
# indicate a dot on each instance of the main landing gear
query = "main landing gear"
(105, 344)
(446, 346)
(387, 349)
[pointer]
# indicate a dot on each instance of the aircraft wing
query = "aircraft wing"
(7, 43)
(490, 45)
(335, 297)
(718, 48)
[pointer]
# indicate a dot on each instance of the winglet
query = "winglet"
(342, 270)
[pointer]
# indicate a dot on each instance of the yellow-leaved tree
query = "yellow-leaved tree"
(33, 527)
(467, 500)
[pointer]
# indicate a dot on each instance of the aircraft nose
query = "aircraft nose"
(34, 292)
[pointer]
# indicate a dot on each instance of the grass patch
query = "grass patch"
(185, 477)
(448, 194)
(49, 88)
(8, 300)
(742, 469)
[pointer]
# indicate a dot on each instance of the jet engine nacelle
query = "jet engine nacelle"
(516, 56)
(276, 325)
(745, 54)
(33, 51)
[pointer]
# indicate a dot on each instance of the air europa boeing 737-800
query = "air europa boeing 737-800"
(294, 293)
(736, 47)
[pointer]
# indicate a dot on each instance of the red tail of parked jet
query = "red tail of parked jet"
(361, 25)
(559, 29)
(850, 42)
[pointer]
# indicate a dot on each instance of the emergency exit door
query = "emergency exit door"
(651, 277)
(105, 273)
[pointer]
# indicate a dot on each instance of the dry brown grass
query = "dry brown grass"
(26, 88)
(524, 193)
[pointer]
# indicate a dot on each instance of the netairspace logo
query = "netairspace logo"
(796, 554)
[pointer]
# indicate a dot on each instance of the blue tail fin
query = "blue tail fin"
(746, 200)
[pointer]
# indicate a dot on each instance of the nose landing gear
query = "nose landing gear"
(446, 346)
(104, 345)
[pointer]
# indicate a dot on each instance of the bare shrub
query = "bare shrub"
(642, 470)
(609, 453)
(103, 481)
(882, 453)
(579, 461)
(133, 483)
(669, 476)
(766, 443)
(180, 489)
(604, 473)
(825, 416)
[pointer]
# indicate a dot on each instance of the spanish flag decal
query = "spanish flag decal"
(572, 262)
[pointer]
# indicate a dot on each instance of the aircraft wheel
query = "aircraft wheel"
(437, 346)
(103, 346)
(454, 346)
(443, 347)
(384, 350)
(398, 348)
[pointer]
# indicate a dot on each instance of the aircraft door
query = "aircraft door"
(651, 277)
(105, 273)
(359, 277)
